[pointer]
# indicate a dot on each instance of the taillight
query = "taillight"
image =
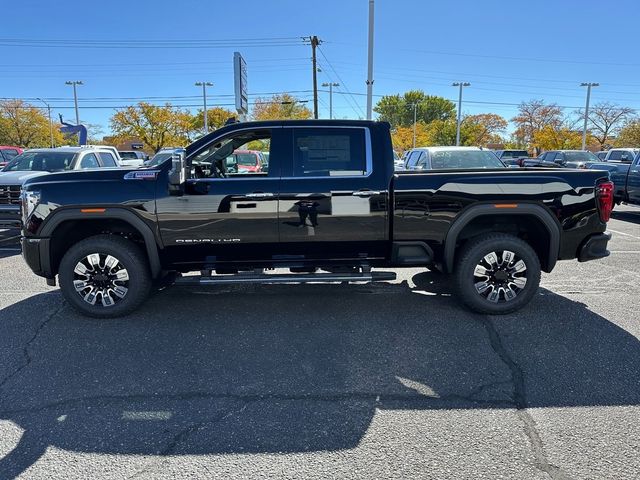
(604, 197)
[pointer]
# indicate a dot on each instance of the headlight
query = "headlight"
(29, 201)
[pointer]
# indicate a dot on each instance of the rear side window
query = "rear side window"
(107, 159)
(331, 152)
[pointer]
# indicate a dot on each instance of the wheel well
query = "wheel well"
(71, 232)
(527, 227)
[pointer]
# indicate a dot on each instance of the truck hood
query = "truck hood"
(18, 178)
(95, 175)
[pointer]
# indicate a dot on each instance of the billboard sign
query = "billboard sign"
(240, 83)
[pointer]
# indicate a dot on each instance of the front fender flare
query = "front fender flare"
(136, 222)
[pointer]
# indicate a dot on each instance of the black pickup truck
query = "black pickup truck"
(329, 207)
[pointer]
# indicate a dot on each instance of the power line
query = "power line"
(342, 82)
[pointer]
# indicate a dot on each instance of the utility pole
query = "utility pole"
(461, 85)
(586, 111)
(314, 42)
(50, 124)
(370, 64)
(75, 96)
(204, 86)
(331, 85)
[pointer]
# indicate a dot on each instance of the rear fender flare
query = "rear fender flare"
(548, 220)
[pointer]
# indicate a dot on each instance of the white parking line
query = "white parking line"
(622, 233)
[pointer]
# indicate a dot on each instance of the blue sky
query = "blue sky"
(510, 51)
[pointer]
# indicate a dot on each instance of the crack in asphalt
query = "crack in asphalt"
(25, 349)
(519, 400)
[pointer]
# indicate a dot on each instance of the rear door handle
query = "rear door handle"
(259, 195)
(365, 193)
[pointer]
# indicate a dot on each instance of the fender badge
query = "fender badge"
(142, 175)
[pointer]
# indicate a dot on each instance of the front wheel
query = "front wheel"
(497, 274)
(105, 276)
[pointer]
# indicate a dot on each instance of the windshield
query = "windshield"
(465, 159)
(580, 157)
(246, 159)
(41, 162)
(158, 158)
(514, 153)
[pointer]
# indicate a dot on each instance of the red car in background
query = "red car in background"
(246, 161)
(7, 154)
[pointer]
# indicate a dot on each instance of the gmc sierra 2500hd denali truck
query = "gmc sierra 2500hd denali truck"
(329, 207)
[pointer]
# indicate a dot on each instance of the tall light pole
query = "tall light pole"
(460, 85)
(50, 124)
(415, 121)
(370, 64)
(330, 85)
(586, 111)
(204, 86)
(75, 96)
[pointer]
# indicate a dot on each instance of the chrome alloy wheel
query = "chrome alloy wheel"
(500, 276)
(101, 277)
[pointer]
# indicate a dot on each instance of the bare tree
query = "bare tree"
(606, 120)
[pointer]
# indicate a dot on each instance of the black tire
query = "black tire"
(107, 284)
(477, 290)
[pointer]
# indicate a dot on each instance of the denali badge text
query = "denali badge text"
(207, 240)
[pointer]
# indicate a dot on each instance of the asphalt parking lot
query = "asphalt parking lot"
(392, 380)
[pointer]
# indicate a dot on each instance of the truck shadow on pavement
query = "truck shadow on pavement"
(289, 368)
(626, 216)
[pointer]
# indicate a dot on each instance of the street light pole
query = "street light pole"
(50, 124)
(330, 85)
(370, 63)
(75, 97)
(460, 85)
(204, 86)
(415, 121)
(586, 111)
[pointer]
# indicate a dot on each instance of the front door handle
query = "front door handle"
(259, 195)
(365, 193)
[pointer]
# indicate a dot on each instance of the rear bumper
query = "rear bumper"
(594, 247)
(10, 216)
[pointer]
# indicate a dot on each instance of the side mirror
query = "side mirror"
(178, 172)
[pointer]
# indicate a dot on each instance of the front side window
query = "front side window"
(330, 152)
(235, 156)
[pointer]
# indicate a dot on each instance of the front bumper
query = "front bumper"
(594, 247)
(10, 216)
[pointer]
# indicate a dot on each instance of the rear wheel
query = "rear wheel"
(105, 276)
(497, 274)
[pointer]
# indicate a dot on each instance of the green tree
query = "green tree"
(157, 126)
(398, 110)
(280, 107)
(24, 125)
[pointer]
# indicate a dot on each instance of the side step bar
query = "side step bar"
(285, 278)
